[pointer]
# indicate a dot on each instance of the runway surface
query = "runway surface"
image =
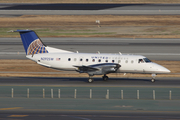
(89, 9)
(82, 107)
(155, 49)
(67, 81)
(82, 6)
(88, 115)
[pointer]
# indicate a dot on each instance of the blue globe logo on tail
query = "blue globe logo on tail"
(31, 42)
(36, 47)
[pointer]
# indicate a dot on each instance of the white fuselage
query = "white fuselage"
(67, 61)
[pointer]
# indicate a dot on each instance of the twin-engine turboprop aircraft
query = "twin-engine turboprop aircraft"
(90, 63)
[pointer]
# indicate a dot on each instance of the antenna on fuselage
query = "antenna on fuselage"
(98, 52)
(120, 53)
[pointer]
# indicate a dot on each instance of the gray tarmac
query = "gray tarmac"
(82, 107)
(88, 115)
(155, 49)
(73, 81)
(88, 9)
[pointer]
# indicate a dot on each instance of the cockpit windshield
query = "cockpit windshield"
(146, 60)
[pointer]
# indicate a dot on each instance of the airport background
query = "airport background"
(148, 27)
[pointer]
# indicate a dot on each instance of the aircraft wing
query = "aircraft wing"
(85, 69)
(98, 69)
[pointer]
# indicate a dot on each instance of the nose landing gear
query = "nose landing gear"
(153, 78)
(90, 80)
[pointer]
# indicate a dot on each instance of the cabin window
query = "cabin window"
(106, 60)
(132, 61)
(86, 60)
(93, 60)
(112, 61)
(74, 59)
(99, 60)
(69, 59)
(119, 61)
(81, 59)
(126, 61)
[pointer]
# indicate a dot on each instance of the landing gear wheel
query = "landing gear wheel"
(152, 80)
(105, 78)
(90, 80)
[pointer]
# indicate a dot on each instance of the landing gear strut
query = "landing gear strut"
(153, 78)
(90, 80)
(105, 78)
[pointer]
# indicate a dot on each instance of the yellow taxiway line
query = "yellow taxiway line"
(18, 115)
(11, 108)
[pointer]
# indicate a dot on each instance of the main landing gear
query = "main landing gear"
(105, 78)
(91, 80)
(153, 78)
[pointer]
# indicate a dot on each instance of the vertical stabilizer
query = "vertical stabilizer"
(32, 43)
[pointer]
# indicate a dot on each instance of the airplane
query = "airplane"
(90, 63)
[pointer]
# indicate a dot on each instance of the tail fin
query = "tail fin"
(32, 43)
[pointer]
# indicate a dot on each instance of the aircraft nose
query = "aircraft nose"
(166, 70)
(161, 69)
